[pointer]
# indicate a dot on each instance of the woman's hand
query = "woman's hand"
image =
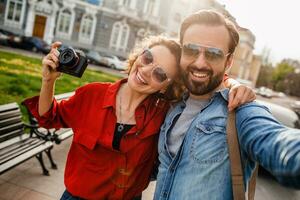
(240, 94)
(50, 63)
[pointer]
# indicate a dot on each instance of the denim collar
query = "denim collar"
(224, 93)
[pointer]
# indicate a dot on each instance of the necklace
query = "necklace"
(121, 123)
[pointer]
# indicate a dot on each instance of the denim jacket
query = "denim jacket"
(201, 167)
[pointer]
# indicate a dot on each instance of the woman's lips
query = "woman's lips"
(140, 78)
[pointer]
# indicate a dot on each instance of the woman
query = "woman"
(115, 125)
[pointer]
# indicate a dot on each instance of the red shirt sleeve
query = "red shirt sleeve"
(61, 114)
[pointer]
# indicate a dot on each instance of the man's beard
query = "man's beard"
(205, 87)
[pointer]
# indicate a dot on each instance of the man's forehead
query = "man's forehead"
(208, 35)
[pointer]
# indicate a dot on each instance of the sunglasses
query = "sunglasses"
(157, 73)
(211, 54)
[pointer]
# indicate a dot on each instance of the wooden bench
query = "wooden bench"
(17, 146)
(54, 135)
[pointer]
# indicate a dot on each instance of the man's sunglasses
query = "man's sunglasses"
(157, 74)
(211, 54)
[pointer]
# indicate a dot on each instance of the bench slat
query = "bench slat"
(18, 145)
(9, 106)
(14, 140)
(10, 120)
(11, 134)
(21, 150)
(11, 127)
(21, 158)
(10, 113)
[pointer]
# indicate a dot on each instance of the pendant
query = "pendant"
(120, 127)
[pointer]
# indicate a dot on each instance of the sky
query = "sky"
(275, 24)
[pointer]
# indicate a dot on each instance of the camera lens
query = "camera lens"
(68, 57)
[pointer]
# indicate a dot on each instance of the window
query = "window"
(152, 7)
(15, 10)
(119, 36)
(87, 28)
(128, 3)
(65, 23)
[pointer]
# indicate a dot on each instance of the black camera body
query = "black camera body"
(71, 61)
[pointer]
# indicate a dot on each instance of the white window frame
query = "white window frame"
(132, 4)
(117, 35)
(13, 23)
(155, 4)
(82, 37)
(61, 34)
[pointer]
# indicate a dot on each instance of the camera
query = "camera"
(71, 61)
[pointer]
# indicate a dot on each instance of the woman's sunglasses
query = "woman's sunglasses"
(157, 74)
(211, 54)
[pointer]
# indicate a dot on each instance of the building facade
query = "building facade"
(112, 26)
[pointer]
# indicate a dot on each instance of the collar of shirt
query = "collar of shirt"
(224, 93)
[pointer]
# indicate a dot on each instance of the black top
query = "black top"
(120, 131)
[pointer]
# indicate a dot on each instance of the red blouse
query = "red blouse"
(94, 170)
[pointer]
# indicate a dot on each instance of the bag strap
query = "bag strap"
(237, 176)
(236, 165)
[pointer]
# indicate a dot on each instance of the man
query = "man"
(193, 152)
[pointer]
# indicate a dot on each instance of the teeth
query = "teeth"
(199, 75)
(140, 78)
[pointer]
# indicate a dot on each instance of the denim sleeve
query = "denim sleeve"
(264, 140)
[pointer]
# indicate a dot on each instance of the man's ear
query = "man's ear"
(229, 61)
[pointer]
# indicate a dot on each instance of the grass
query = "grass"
(20, 78)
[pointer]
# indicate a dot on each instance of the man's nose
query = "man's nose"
(200, 60)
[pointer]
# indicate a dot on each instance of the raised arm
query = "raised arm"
(49, 76)
(264, 140)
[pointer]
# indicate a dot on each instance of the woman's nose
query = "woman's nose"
(146, 70)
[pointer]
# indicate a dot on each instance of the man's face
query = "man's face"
(204, 57)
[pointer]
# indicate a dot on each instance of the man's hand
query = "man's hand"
(240, 94)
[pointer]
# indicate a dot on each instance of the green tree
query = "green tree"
(292, 82)
(279, 75)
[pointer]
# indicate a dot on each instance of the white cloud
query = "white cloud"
(275, 24)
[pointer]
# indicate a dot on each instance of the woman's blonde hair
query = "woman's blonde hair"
(175, 89)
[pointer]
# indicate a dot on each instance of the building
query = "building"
(246, 65)
(112, 26)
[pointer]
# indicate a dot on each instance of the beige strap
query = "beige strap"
(235, 159)
(252, 184)
(236, 165)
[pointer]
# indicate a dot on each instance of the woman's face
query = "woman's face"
(153, 70)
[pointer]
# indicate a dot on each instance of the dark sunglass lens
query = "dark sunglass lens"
(147, 57)
(190, 50)
(213, 54)
(159, 75)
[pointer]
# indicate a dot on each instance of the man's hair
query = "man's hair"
(212, 18)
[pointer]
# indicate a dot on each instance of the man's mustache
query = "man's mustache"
(206, 70)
